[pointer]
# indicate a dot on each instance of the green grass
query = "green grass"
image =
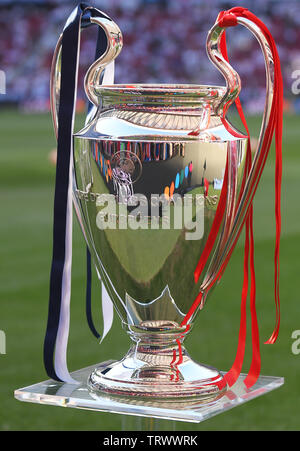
(26, 190)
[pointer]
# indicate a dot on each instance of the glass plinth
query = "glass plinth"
(80, 397)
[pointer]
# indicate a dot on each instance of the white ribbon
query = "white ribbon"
(60, 361)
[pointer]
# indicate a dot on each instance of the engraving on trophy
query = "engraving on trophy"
(126, 169)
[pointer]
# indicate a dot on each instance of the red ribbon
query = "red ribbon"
(275, 124)
(206, 187)
(214, 229)
(235, 371)
(227, 19)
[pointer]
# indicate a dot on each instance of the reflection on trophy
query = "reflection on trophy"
(168, 141)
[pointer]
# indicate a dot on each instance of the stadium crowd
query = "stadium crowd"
(164, 42)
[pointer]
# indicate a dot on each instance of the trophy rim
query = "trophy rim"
(167, 93)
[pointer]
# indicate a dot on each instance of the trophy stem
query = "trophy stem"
(158, 366)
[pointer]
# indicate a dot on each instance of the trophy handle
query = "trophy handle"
(233, 81)
(95, 71)
(233, 87)
(114, 46)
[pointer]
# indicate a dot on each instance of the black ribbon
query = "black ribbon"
(79, 18)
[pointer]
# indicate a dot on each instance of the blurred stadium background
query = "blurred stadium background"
(164, 41)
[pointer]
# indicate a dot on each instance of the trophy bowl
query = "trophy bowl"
(147, 193)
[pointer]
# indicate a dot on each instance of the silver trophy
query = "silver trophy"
(149, 167)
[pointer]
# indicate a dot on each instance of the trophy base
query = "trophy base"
(135, 377)
(78, 396)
